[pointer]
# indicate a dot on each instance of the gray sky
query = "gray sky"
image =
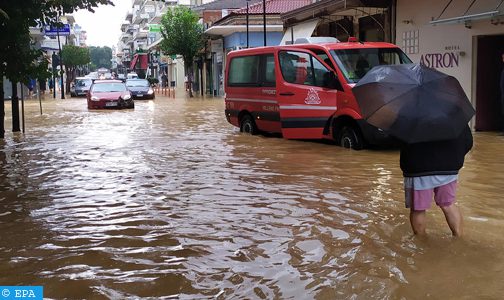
(104, 26)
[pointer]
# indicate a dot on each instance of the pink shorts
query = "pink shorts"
(421, 199)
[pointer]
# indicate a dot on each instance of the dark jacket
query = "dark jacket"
(436, 158)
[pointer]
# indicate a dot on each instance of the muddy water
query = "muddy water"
(170, 201)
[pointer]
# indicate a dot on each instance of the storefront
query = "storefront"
(462, 39)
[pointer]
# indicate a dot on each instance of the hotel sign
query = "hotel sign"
(448, 59)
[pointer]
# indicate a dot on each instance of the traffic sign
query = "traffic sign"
(55, 30)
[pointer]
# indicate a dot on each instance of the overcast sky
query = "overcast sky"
(104, 26)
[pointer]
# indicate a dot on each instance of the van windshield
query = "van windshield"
(355, 63)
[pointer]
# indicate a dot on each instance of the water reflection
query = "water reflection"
(168, 200)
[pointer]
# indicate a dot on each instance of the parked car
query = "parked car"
(109, 94)
(140, 88)
(92, 75)
(304, 91)
(80, 86)
(132, 75)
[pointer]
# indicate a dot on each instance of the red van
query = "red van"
(304, 91)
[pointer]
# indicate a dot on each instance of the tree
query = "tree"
(18, 59)
(73, 56)
(101, 57)
(182, 35)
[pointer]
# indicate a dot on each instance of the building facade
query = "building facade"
(462, 39)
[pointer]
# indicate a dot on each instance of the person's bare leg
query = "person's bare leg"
(453, 218)
(418, 221)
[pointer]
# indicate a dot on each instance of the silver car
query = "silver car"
(80, 86)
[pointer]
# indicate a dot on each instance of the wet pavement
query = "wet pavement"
(170, 201)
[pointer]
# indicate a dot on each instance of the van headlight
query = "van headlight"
(150, 92)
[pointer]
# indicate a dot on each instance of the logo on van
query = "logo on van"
(312, 97)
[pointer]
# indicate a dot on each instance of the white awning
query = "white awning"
(154, 44)
(225, 30)
(302, 30)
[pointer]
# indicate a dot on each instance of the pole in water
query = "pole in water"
(22, 109)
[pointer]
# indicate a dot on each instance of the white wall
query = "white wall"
(446, 47)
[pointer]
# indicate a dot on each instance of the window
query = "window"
(355, 63)
(269, 76)
(109, 87)
(254, 70)
(410, 42)
(302, 68)
(83, 82)
(244, 71)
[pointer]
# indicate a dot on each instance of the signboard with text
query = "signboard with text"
(154, 28)
(54, 30)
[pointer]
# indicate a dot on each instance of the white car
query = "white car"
(132, 75)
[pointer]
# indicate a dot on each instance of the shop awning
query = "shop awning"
(155, 44)
(459, 12)
(323, 8)
(302, 30)
(142, 58)
(225, 30)
(133, 62)
(144, 62)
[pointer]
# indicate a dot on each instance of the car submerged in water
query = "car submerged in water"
(80, 86)
(140, 88)
(105, 94)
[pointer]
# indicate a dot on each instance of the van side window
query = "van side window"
(269, 74)
(302, 68)
(252, 71)
(244, 71)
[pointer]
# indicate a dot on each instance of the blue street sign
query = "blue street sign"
(54, 30)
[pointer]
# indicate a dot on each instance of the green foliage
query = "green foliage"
(100, 57)
(141, 74)
(181, 33)
(152, 80)
(18, 58)
(75, 56)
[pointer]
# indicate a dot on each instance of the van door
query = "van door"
(306, 103)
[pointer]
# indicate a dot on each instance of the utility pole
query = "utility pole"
(15, 107)
(248, 24)
(61, 62)
(264, 21)
(61, 67)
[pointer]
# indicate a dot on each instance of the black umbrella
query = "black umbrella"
(413, 103)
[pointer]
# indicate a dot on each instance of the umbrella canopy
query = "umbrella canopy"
(413, 103)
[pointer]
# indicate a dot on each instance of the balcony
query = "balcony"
(124, 26)
(125, 37)
(129, 16)
(141, 34)
(140, 17)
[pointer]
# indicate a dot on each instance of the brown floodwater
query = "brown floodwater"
(170, 201)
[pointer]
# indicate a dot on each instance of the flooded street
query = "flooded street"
(170, 201)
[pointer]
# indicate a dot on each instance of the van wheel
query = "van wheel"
(248, 125)
(351, 138)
